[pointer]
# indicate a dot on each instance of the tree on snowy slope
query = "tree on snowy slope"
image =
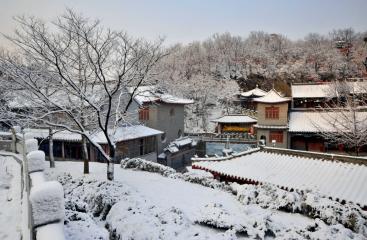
(86, 69)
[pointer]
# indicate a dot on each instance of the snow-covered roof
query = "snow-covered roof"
(235, 119)
(26, 99)
(175, 145)
(325, 90)
(148, 94)
(271, 126)
(125, 133)
(345, 181)
(256, 92)
(313, 122)
(63, 135)
(272, 97)
(310, 91)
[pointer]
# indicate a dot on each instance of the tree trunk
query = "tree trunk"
(356, 149)
(85, 155)
(110, 164)
(51, 148)
(13, 140)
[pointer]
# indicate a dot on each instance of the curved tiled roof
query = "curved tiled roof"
(256, 92)
(272, 97)
(339, 180)
(235, 119)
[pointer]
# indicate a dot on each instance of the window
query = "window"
(144, 114)
(172, 112)
(277, 136)
(272, 112)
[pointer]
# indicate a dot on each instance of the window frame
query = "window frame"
(144, 114)
(278, 136)
(272, 112)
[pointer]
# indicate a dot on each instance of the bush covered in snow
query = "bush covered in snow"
(254, 224)
(47, 201)
(127, 214)
(79, 225)
(148, 166)
(305, 202)
(198, 176)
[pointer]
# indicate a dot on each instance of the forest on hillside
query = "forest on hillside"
(262, 58)
(213, 71)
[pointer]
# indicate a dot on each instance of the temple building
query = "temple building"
(158, 110)
(235, 124)
(247, 98)
(272, 119)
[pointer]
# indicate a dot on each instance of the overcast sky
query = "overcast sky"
(188, 20)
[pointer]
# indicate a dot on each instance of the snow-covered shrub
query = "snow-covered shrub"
(47, 202)
(204, 180)
(332, 212)
(267, 196)
(90, 195)
(79, 225)
(305, 202)
(31, 145)
(144, 165)
(198, 177)
(255, 225)
(36, 161)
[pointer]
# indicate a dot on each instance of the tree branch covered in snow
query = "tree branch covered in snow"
(70, 74)
(344, 117)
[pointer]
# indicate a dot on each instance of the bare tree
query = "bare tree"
(74, 74)
(344, 118)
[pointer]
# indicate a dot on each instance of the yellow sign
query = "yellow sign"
(235, 129)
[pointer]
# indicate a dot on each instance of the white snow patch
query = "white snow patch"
(10, 199)
(36, 161)
(31, 145)
(47, 201)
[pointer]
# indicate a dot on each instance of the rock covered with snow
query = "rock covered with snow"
(47, 201)
(31, 145)
(36, 161)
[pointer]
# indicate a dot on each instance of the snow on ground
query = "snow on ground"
(144, 205)
(10, 199)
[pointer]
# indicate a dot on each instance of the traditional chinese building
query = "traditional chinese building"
(131, 141)
(247, 98)
(160, 111)
(178, 153)
(235, 124)
(272, 119)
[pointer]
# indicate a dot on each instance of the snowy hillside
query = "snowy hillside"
(149, 201)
